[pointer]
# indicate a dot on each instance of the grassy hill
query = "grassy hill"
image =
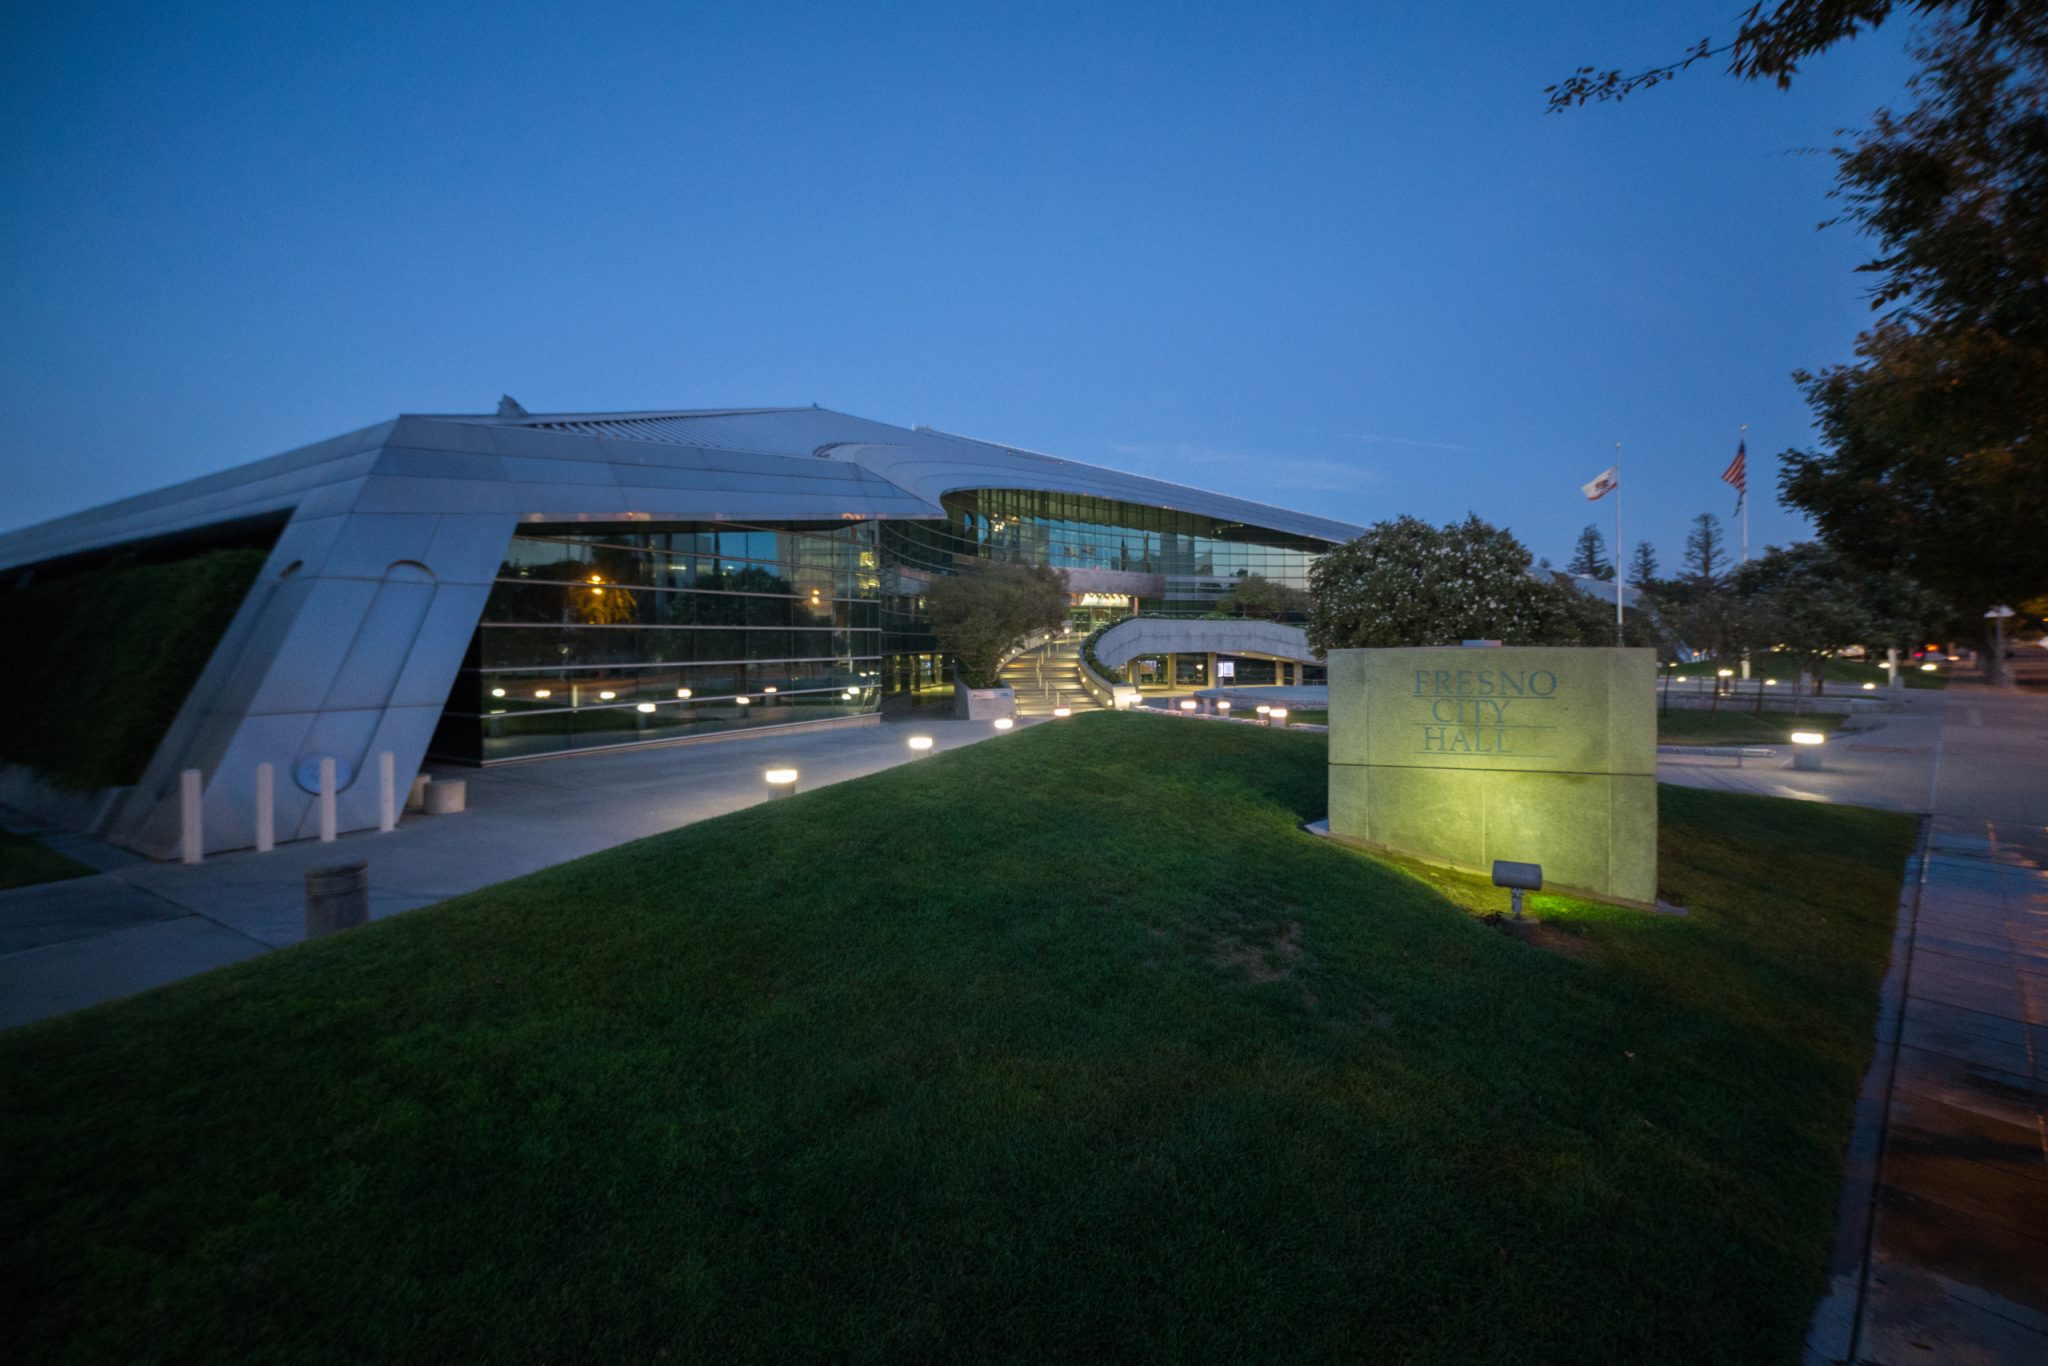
(1068, 1045)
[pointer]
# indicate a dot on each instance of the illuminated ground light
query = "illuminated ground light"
(1223, 708)
(1277, 716)
(1806, 749)
(682, 692)
(606, 696)
(645, 709)
(497, 692)
(1004, 723)
(743, 701)
(769, 688)
(919, 744)
(543, 692)
(1928, 668)
(1870, 687)
(1770, 682)
(1265, 710)
(1062, 711)
(1189, 705)
(781, 780)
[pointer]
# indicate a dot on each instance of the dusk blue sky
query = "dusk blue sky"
(1331, 256)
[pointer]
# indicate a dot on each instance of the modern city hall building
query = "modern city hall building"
(478, 589)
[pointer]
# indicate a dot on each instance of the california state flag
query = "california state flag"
(1603, 484)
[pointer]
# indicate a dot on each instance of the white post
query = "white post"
(327, 822)
(1891, 667)
(266, 810)
(191, 832)
(387, 792)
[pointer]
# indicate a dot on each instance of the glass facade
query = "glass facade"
(598, 635)
(1075, 531)
(601, 636)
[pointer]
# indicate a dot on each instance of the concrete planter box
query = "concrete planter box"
(983, 704)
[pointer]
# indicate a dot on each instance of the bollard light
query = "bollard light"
(1806, 751)
(1062, 712)
(920, 743)
(645, 709)
(1683, 679)
(1808, 737)
(497, 692)
(1188, 705)
(606, 696)
(1927, 668)
(682, 692)
(1263, 709)
(543, 693)
(1277, 715)
(1770, 682)
(743, 700)
(1870, 687)
(1223, 707)
(770, 688)
(1004, 723)
(1724, 673)
(782, 781)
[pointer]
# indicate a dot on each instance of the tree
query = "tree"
(1405, 582)
(980, 616)
(1642, 566)
(1258, 596)
(1932, 463)
(1773, 44)
(1589, 555)
(1805, 602)
(1704, 549)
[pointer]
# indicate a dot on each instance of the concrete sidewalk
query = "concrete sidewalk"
(66, 945)
(1942, 1253)
(1887, 761)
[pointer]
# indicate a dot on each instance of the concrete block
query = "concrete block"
(1464, 756)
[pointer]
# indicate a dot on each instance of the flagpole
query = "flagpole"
(1742, 444)
(1617, 543)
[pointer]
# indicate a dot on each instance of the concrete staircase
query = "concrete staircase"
(1049, 676)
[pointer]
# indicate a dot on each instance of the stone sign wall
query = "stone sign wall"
(1467, 755)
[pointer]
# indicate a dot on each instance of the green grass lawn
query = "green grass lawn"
(1066, 1046)
(1839, 675)
(1737, 725)
(24, 862)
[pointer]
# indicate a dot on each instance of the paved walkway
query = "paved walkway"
(66, 945)
(1942, 1249)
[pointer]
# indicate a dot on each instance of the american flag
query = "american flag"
(1737, 473)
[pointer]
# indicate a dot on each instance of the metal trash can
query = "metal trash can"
(337, 898)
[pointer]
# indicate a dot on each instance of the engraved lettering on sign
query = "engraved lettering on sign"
(1483, 711)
